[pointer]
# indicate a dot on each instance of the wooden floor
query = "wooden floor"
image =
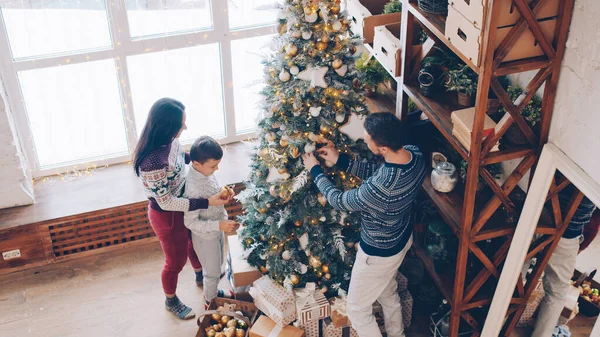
(113, 294)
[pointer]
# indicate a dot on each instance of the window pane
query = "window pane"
(38, 28)
(247, 55)
(251, 13)
(191, 75)
(75, 112)
(159, 17)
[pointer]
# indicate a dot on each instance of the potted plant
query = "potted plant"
(394, 6)
(464, 81)
(531, 113)
(371, 73)
(496, 171)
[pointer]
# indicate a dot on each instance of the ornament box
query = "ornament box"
(242, 274)
(474, 11)
(468, 38)
(264, 327)
(247, 308)
(365, 15)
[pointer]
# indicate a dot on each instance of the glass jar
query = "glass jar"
(444, 177)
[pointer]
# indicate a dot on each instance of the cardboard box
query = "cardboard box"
(339, 317)
(474, 11)
(365, 15)
(243, 274)
(329, 330)
(467, 38)
(264, 326)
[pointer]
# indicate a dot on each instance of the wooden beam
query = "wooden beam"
(498, 191)
(561, 186)
(538, 246)
(534, 26)
(484, 274)
(519, 66)
(515, 114)
(487, 263)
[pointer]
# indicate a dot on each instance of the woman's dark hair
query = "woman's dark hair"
(205, 148)
(165, 119)
(386, 130)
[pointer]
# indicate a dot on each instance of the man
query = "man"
(385, 201)
(561, 265)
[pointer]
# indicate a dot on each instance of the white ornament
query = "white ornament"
(284, 76)
(322, 219)
(342, 70)
(306, 34)
(340, 117)
(276, 176)
(302, 269)
(355, 127)
(336, 25)
(309, 147)
(303, 240)
(294, 70)
(296, 34)
(286, 255)
(315, 112)
(311, 17)
(316, 76)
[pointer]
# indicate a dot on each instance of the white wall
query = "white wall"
(16, 188)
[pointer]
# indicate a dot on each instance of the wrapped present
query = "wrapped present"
(311, 306)
(329, 330)
(266, 327)
(402, 282)
(339, 317)
(528, 317)
(274, 300)
(241, 273)
(406, 301)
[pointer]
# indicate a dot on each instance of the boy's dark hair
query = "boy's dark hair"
(386, 130)
(205, 148)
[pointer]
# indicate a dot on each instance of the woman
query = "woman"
(159, 161)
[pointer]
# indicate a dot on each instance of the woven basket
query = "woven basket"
(434, 6)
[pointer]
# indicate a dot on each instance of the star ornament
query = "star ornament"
(316, 76)
(355, 127)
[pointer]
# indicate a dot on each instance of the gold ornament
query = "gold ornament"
(321, 45)
(273, 190)
(314, 262)
(232, 323)
(282, 29)
(337, 64)
(324, 289)
(262, 210)
(291, 49)
(296, 33)
(325, 268)
(314, 222)
(225, 319)
(282, 170)
(324, 128)
(327, 276)
(319, 274)
(271, 137)
(240, 333)
(325, 37)
(298, 223)
(249, 241)
(335, 9)
(294, 152)
(322, 200)
(295, 279)
(263, 238)
(283, 142)
(263, 269)
(264, 152)
(313, 53)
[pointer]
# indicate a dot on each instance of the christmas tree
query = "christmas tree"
(312, 98)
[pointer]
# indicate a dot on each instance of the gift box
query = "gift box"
(406, 301)
(311, 306)
(266, 327)
(241, 273)
(402, 282)
(339, 317)
(329, 330)
(274, 300)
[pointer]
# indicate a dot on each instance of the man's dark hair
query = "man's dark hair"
(386, 130)
(205, 148)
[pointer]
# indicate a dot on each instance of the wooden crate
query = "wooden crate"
(387, 47)
(365, 15)
(467, 38)
(247, 308)
(474, 11)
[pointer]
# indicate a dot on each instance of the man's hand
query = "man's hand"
(228, 226)
(329, 153)
(218, 200)
(309, 160)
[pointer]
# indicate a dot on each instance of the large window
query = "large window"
(82, 75)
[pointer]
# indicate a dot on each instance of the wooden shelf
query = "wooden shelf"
(444, 282)
(436, 24)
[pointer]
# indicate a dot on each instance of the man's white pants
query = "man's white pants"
(556, 280)
(374, 279)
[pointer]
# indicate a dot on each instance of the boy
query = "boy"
(385, 201)
(207, 225)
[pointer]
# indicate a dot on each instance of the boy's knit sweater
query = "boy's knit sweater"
(384, 199)
(203, 222)
(163, 174)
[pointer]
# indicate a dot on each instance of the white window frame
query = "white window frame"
(124, 46)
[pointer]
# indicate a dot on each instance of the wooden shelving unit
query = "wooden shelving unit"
(476, 216)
